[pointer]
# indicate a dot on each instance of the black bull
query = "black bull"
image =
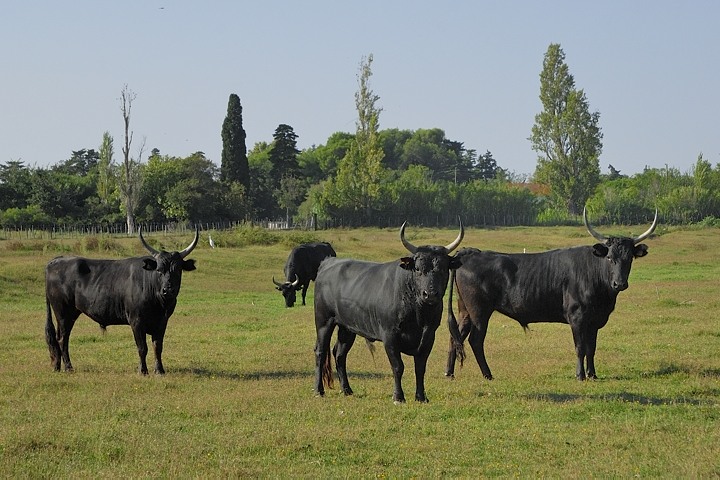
(301, 267)
(577, 286)
(398, 303)
(140, 292)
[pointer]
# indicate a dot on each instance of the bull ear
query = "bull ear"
(640, 250)
(407, 263)
(188, 265)
(600, 250)
(149, 264)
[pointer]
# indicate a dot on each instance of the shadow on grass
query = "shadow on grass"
(625, 397)
(266, 375)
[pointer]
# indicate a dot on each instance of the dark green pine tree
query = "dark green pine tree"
(283, 154)
(234, 165)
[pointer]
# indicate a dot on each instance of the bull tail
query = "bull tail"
(371, 347)
(457, 341)
(327, 374)
(51, 337)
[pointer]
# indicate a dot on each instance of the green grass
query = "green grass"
(237, 400)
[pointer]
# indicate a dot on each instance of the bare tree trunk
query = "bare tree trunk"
(130, 178)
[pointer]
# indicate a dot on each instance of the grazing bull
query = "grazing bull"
(302, 267)
(140, 292)
(398, 303)
(577, 285)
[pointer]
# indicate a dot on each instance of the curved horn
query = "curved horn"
(452, 246)
(591, 230)
(297, 280)
(190, 247)
(650, 230)
(145, 244)
(449, 247)
(410, 247)
(276, 282)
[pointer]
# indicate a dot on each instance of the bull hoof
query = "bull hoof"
(450, 376)
(399, 402)
(422, 399)
(347, 391)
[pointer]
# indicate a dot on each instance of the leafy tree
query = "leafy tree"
(106, 181)
(426, 147)
(15, 184)
(234, 164)
(357, 184)
(260, 195)
(180, 189)
(82, 162)
(487, 168)
(61, 195)
(291, 194)
(566, 136)
(393, 140)
(320, 162)
(413, 191)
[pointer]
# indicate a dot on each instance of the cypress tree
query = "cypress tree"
(234, 165)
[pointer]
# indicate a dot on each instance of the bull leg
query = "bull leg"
(304, 292)
(591, 344)
(65, 326)
(421, 359)
(579, 339)
(142, 347)
(322, 354)
(396, 363)
(465, 327)
(157, 341)
(477, 343)
(345, 341)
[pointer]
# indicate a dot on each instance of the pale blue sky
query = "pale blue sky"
(651, 68)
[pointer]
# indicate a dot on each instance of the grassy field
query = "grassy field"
(237, 400)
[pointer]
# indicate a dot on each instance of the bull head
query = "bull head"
(288, 290)
(620, 252)
(169, 265)
(430, 266)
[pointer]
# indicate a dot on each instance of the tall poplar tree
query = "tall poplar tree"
(566, 136)
(360, 172)
(106, 164)
(234, 163)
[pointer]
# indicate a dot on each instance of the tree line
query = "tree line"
(369, 177)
